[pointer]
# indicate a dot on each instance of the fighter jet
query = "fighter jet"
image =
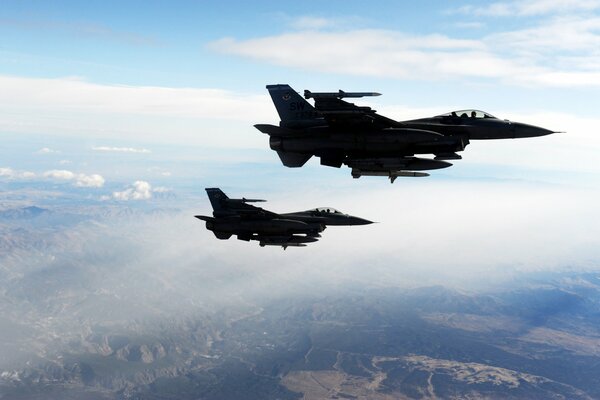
(248, 222)
(340, 132)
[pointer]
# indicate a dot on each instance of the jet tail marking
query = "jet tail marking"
(290, 105)
(217, 198)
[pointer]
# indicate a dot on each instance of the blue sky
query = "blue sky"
(169, 44)
(97, 97)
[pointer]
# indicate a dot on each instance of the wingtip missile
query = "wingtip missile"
(340, 94)
(245, 200)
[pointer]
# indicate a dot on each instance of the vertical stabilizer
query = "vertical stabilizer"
(217, 199)
(290, 105)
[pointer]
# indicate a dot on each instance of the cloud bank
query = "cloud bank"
(109, 149)
(561, 50)
(79, 180)
(46, 150)
(523, 8)
(139, 190)
(74, 107)
(10, 173)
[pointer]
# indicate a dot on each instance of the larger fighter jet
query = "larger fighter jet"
(340, 132)
(248, 222)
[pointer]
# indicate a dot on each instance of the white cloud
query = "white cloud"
(540, 55)
(530, 7)
(120, 149)
(79, 180)
(506, 225)
(562, 33)
(82, 30)
(140, 190)
(12, 174)
(159, 171)
(46, 150)
(368, 52)
(93, 180)
(64, 162)
(70, 106)
(62, 174)
(77, 95)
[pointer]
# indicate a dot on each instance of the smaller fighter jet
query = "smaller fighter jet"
(248, 222)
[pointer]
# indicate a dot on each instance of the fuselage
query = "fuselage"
(477, 127)
(364, 143)
(435, 135)
(276, 226)
(326, 216)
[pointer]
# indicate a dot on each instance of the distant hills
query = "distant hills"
(377, 344)
(23, 213)
(93, 306)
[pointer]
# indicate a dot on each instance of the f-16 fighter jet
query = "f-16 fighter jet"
(340, 132)
(248, 222)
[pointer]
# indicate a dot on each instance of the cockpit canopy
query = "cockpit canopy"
(468, 114)
(328, 210)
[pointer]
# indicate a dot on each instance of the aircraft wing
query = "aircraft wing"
(340, 114)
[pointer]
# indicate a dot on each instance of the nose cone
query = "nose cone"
(358, 221)
(525, 131)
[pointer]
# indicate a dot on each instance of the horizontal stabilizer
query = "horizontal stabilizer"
(293, 160)
(274, 130)
(204, 218)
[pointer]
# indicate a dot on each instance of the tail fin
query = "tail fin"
(217, 199)
(290, 105)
